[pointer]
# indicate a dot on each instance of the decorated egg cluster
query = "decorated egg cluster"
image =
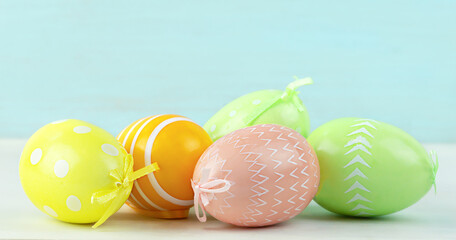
(259, 171)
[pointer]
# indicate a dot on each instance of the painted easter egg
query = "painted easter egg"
(76, 172)
(284, 108)
(256, 176)
(370, 168)
(175, 143)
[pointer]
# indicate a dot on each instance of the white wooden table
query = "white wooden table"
(434, 217)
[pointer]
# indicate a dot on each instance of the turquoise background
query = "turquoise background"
(111, 62)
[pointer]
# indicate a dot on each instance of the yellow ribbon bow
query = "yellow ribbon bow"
(122, 189)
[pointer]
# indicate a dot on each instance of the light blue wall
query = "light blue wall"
(111, 62)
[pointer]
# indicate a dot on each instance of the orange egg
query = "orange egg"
(175, 143)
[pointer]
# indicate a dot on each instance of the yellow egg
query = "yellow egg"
(76, 172)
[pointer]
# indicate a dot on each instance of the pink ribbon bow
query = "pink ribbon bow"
(202, 189)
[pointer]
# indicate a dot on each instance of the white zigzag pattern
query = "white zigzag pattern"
(273, 130)
(256, 167)
(293, 186)
(278, 202)
(278, 163)
(292, 173)
(300, 158)
(250, 212)
(280, 176)
(289, 160)
(302, 196)
(290, 135)
(260, 133)
(220, 163)
(254, 188)
(287, 211)
(281, 189)
(273, 213)
(287, 149)
(268, 140)
(280, 137)
(303, 185)
(313, 164)
(262, 202)
(359, 145)
(289, 200)
(297, 146)
(300, 207)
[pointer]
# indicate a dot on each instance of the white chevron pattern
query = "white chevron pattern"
(357, 159)
(361, 130)
(365, 123)
(355, 186)
(355, 173)
(358, 197)
(359, 149)
(361, 206)
(359, 139)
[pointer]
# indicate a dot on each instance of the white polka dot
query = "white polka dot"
(232, 113)
(256, 102)
(61, 168)
(82, 129)
(109, 149)
(73, 203)
(213, 128)
(50, 211)
(59, 121)
(35, 157)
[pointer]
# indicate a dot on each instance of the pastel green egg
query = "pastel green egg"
(262, 107)
(75, 172)
(370, 168)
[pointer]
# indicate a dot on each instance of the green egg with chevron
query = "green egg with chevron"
(370, 168)
(279, 107)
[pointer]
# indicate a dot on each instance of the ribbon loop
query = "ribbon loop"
(291, 88)
(125, 178)
(299, 82)
(142, 172)
(435, 167)
(269, 103)
(202, 189)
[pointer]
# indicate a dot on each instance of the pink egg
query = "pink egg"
(256, 176)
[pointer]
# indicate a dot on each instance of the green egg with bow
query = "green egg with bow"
(262, 107)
